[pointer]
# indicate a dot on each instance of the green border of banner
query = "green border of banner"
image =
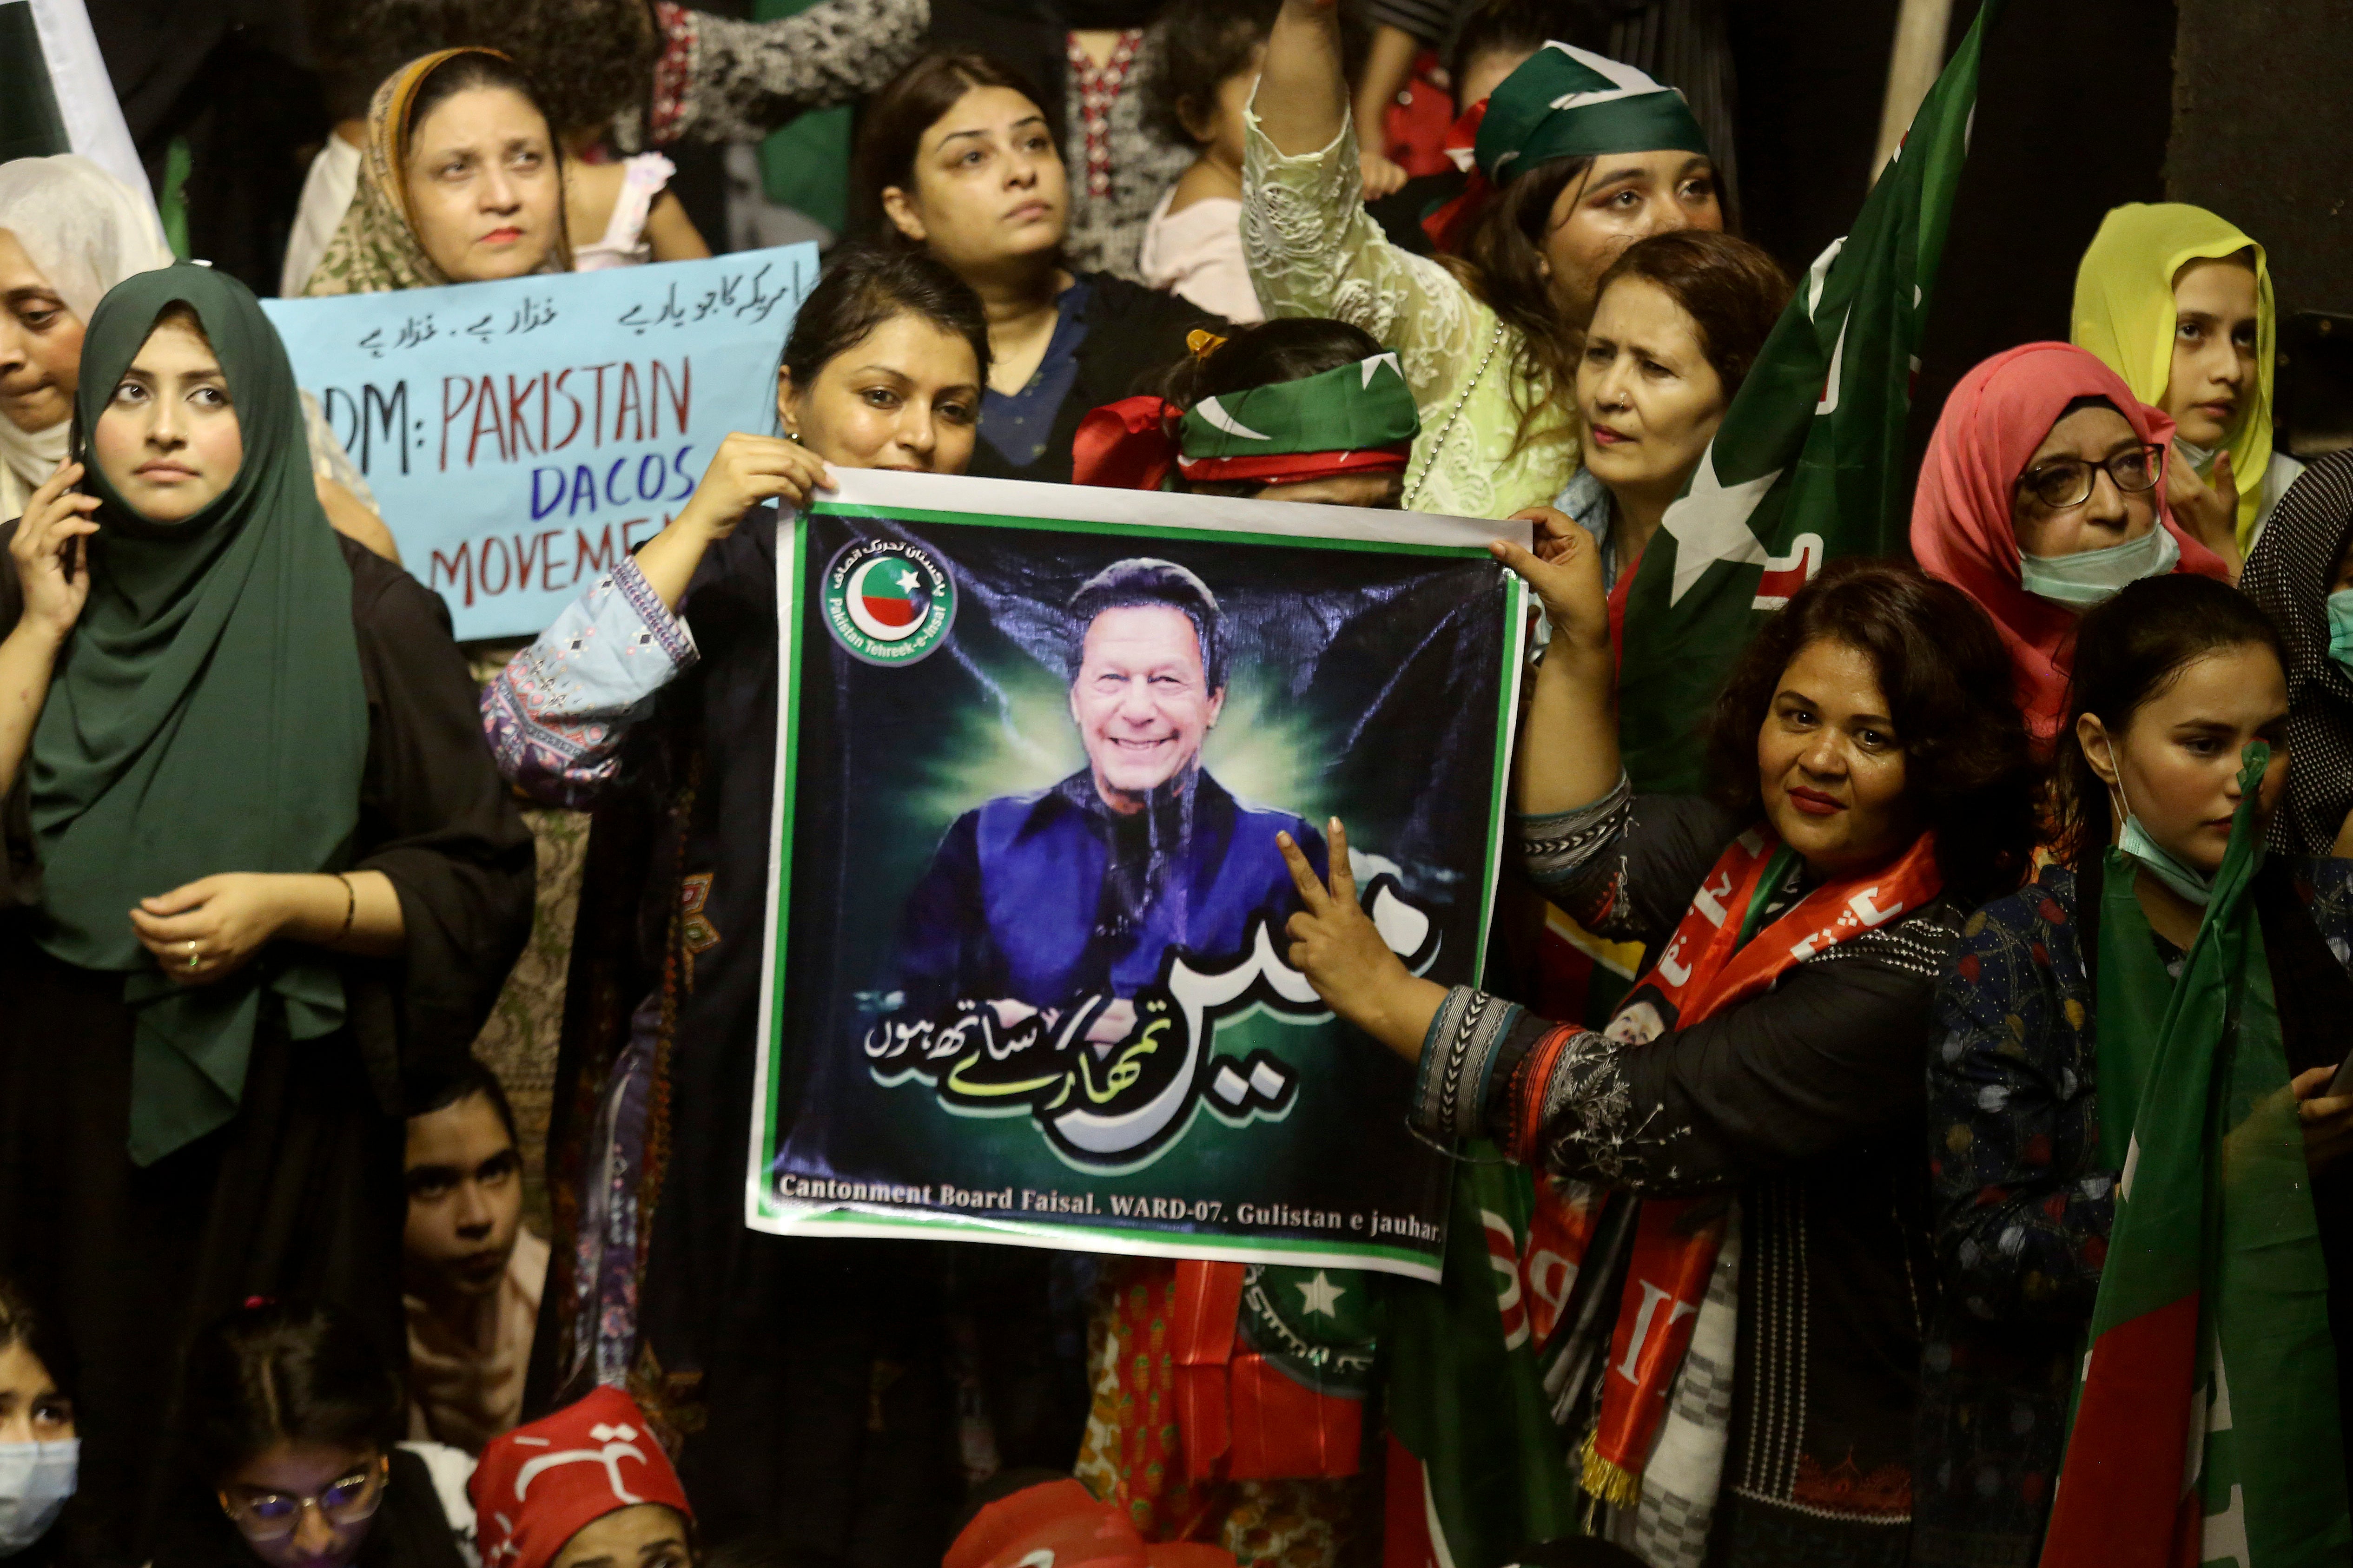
(764, 1213)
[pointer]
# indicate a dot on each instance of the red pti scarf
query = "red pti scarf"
(1718, 959)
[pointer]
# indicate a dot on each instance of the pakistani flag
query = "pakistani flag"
(2205, 1429)
(54, 94)
(1809, 462)
(1477, 1467)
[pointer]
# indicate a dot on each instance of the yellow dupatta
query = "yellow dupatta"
(2124, 315)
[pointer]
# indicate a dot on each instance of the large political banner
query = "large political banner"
(522, 436)
(1026, 974)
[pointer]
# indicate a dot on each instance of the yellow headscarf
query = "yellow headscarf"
(2124, 316)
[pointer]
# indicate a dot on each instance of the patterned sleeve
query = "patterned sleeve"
(1624, 866)
(2022, 1221)
(1830, 1055)
(721, 79)
(1315, 251)
(556, 714)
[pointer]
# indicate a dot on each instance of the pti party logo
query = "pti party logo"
(888, 601)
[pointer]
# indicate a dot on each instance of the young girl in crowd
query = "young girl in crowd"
(2301, 573)
(1584, 156)
(1759, 1095)
(291, 1425)
(39, 1454)
(70, 231)
(960, 158)
(1209, 56)
(2068, 1018)
(260, 871)
(462, 181)
(1677, 321)
(655, 698)
(2179, 303)
(2042, 494)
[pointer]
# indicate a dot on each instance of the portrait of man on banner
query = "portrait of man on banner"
(1036, 902)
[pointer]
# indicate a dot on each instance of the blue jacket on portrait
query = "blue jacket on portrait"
(1052, 896)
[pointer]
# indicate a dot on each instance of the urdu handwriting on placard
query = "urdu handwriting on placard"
(743, 296)
(528, 317)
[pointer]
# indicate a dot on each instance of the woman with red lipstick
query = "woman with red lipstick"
(1752, 1110)
(462, 181)
(962, 162)
(260, 874)
(2065, 1018)
(2179, 303)
(292, 1452)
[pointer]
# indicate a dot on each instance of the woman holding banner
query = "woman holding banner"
(262, 880)
(1576, 157)
(1757, 1100)
(813, 1374)
(2083, 1022)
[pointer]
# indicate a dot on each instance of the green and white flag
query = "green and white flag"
(1809, 462)
(54, 94)
(2205, 1427)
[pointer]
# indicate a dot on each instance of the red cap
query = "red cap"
(539, 1485)
(1063, 1518)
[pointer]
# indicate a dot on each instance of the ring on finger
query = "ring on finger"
(194, 960)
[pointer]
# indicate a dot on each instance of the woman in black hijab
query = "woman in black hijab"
(260, 874)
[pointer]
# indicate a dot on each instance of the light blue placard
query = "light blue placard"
(524, 435)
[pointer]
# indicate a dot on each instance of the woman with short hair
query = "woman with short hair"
(1756, 1099)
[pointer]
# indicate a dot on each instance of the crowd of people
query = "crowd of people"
(1981, 1093)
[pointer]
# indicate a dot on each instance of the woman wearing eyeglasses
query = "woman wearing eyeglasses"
(2042, 494)
(291, 1418)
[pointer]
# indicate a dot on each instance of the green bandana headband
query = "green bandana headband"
(1356, 416)
(1566, 102)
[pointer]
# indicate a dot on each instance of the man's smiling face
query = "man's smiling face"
(1142, 700)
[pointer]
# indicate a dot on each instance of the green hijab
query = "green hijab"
(207, 716)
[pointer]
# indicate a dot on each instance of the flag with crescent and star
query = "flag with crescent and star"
(1809, 464)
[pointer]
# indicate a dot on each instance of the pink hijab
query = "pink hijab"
(1961, 529)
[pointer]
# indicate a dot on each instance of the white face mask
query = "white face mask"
(36, 1478)
(2088, 577)
(2192, 884)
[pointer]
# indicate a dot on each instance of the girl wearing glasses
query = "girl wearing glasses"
(2042, 493)
(292, 1420)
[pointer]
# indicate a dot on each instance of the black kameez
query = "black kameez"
(300, 1196)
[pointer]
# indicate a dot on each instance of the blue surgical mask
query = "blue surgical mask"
(2340, 626)
(2192, 884)
(2084, 579)
(36, 1478)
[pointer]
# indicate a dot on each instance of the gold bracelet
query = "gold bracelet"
(350, 906)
